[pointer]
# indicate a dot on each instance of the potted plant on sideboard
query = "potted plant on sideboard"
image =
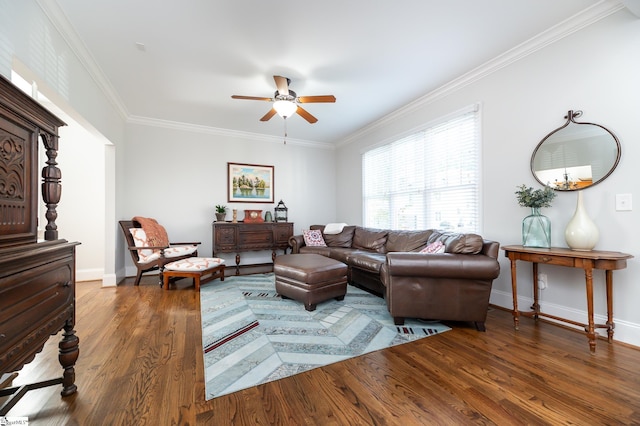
(221, 212)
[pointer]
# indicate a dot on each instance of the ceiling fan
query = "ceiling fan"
(286, 102)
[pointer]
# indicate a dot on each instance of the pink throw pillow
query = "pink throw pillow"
(313, 238)
(434, 247)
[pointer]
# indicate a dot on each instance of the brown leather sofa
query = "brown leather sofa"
(450, 286)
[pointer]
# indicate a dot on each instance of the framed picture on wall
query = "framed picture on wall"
(249, 183)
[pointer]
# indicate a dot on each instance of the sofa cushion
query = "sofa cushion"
(407, 240)
(366, 260)
(325, 251)
(313, 238)
(370, 239)
(341, 253)
(343, 239)
(458, 243)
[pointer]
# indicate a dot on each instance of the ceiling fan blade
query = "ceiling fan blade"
(282, 83)
(305, 114)
(268, 115)
(322, 98)
(251, 98)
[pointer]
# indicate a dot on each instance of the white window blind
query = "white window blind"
(427, 180)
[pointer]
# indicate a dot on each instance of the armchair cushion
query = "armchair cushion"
(140, 240)
(177, 251)
(149, 255)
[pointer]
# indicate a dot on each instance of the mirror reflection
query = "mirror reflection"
(576, 155)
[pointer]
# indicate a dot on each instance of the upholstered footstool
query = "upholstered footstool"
(310, 278)
(194, 267)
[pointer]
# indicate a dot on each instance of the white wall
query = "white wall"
(177, 176)
(27, 35)
(32, 45)
(82, 205)
(594, 70)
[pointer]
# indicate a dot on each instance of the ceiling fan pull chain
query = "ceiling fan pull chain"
(285, 130)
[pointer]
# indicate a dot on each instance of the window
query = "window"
(427, 180)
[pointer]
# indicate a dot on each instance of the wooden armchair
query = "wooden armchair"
(148, 257)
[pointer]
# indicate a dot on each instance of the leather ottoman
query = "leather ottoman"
(310, 278)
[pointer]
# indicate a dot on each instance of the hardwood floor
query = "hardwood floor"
(141, 364)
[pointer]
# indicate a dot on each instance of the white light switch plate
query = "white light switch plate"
(623, 202)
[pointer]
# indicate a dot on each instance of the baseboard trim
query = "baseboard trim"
(625, 331)
(95, 274)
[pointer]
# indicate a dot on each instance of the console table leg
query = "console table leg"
(536, 305)
(610, 324)
(591, 330)
(237, 263)
(514, 292)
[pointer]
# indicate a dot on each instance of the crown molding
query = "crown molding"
(565, 28)
(575, 23)
(176, 125)
(61, 23)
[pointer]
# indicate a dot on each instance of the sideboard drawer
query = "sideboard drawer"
(226, 236)
(549, 260)
(255, 238)
(35, 298)
(283, 231)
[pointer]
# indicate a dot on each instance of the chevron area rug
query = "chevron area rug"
(253, 336)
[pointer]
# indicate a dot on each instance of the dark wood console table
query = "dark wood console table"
(587, 260)
(229, 237)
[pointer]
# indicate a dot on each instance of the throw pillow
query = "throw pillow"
(313, 238)
(334, 228)
(435, 247)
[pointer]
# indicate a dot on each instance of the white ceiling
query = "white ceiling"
(375, 56)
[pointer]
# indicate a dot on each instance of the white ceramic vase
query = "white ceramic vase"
(581, 233)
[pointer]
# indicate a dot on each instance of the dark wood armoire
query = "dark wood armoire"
(37, 278)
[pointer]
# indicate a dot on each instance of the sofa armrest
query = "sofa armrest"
(295, 242)
(442, 265)
(490, 248)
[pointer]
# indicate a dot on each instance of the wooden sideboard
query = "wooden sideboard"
(37, 278)
(587, 260)
(230, 237)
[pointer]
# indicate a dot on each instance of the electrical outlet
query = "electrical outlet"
(542, 281)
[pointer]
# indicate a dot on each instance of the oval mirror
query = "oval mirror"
(575, 155)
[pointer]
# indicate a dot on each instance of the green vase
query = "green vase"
(536, 230)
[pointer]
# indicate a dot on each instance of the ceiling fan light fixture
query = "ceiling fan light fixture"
(285, 108)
